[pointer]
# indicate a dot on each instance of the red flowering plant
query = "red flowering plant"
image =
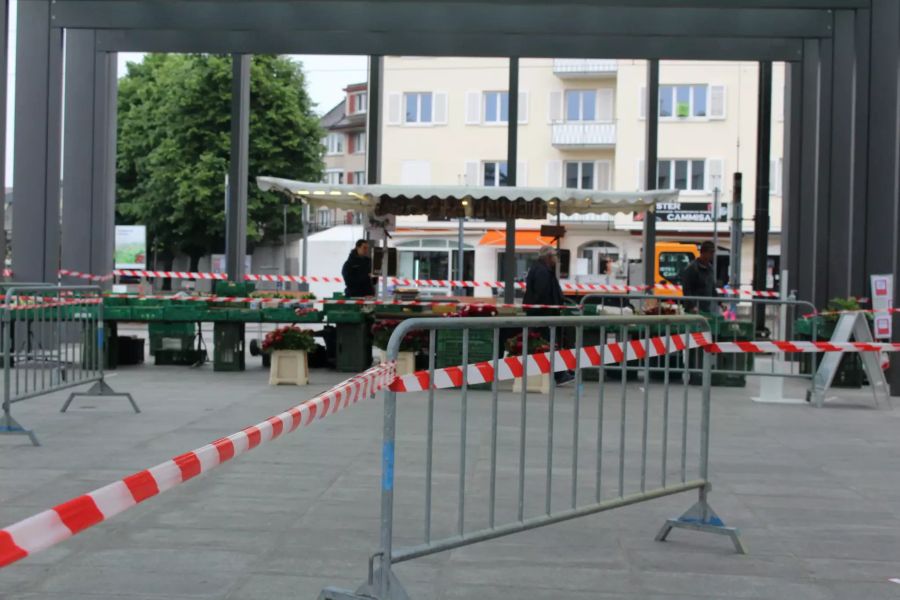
(289, 337)
(536, 344)
(414, 341)
(662, 308)
(476, 310)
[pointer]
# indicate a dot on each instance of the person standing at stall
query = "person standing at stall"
(357, 272)
(542, 287)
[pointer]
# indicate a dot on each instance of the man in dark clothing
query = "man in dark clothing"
(542, 287)
(357, 272)
(699, 279)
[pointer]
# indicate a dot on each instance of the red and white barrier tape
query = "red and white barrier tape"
(51, 527)
(572, 287)
(613, 353)
(540, 363)
(798, 346)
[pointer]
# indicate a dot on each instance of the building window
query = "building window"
(359, 177)
(359, 142)
(324, 217)
(495, 173)
(581, 105)
(334, 177)
(496, 107)
(359, 102)
(418, 107)
(683, 101)
(433, 259)
(686, 175)
(580, 175)
(334, 143)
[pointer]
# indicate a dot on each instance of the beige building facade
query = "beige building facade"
(581, 124)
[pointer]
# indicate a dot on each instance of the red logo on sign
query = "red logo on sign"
(881, 287)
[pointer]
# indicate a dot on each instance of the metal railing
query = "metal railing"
(751, 319)
(501, 472)
(53, 339)
(582, 134)
(585, 67)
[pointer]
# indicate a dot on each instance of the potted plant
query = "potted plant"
(288, 347)
(535, 345)
(412, 343)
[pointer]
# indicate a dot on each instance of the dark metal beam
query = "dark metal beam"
(374, 114)
(236, 215)
(38, 123)
(451, 44)
(4, 61)
(651, 157)
(512, 157)
(790, 198)
(763, 153)
(399, 16)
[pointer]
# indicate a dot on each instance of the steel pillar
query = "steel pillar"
(4, 61)
(512, 157)
(38, 121)
(236, 215)
(882, 254)
(374, 115)
(651, 156)
(791, 224)
(89, 156)
(763, 152)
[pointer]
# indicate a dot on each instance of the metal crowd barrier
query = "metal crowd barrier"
(754, 319)
(53, 339)
(521, 461)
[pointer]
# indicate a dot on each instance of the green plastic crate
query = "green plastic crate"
(228, 347)
(148, 313)
(117, 313)
(185, 312)
(234, 288)
(245, 315)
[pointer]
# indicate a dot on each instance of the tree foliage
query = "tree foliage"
(174, 145)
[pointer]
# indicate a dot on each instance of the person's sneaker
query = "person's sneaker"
(564, 378)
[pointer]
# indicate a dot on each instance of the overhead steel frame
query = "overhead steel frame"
(841, 175)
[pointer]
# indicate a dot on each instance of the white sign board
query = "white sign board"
(882, 303)
(131, 247)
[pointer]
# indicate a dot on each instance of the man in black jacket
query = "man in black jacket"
(542, 287)
(357, 272)
(699, 279)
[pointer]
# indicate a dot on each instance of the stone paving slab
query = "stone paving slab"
(814, 491)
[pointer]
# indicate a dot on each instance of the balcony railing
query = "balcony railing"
(566, 68)
(584, 135)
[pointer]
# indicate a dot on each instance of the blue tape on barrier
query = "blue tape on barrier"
(387, 463)
(714, 521)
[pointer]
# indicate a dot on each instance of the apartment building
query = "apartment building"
(345, 148)
(581, 125)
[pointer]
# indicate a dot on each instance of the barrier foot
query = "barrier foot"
(9, 426)
(701, 517)
(100, 388)
(369, 591)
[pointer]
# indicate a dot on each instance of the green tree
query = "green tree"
(173, 149)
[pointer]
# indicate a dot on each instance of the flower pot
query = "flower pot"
(290, 367)
(536, 383)
(406, 362)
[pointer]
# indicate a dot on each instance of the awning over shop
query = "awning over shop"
(524, 239)
(451, 202)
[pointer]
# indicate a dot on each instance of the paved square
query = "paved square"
(815, 493)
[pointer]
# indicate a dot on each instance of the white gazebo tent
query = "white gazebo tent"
(490, 203)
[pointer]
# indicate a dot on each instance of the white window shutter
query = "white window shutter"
(640, 175)
(554, 114)
(603, 175)
(642, 110)
(440, 108)
(715, 174)
(395, 109)
(473, 108)
(472, 173)
(717, 102)
(554, 174)
(775, 178)
(523, 108)
(521, 173)
(605, 105)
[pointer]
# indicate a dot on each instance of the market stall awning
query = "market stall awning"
(455, 201)
(524, 239)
